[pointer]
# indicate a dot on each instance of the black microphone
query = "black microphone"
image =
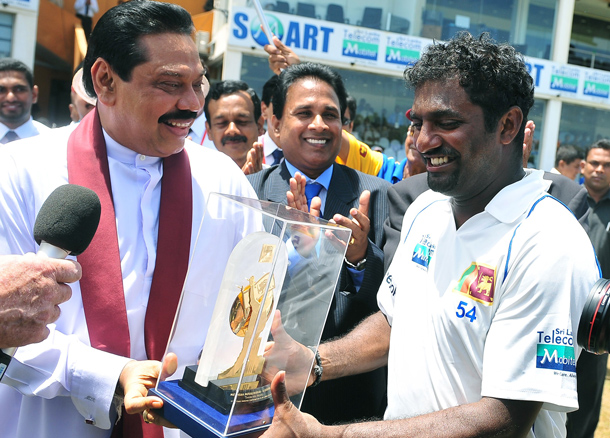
(67, 221)
(66, 224)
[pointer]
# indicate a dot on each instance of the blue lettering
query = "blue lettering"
(537, 74)
(293, 36)
(309, 34)
(241, 30)
(326, 31)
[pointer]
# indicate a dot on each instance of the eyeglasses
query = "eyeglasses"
(346, 122)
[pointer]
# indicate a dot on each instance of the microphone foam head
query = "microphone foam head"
(68, 218)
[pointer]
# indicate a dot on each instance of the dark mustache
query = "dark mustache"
(234, 138)
(438, 151)
(180, 115)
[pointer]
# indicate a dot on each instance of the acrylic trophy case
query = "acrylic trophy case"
(258, 269)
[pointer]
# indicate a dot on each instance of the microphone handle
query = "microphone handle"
(52, 251)
(6, 354)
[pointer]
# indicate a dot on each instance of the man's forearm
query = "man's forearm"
(487, 418)
(363, 349)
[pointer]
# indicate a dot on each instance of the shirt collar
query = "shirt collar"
(268, 144)
(323, 179)
(519, 196)
(125, 155)
(23, 131)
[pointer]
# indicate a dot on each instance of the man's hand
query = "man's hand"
(137, 378)
(284, 353)
(296, 196)
(528, 141)
(360, 226)
(31, 289)
(280, 56)
(254, 160)
(288, 421)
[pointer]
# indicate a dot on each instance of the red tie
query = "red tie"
(102, 282)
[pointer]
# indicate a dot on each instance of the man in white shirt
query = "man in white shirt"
(234, 122)
(480, 306)
(153, 187)
(85, 10)
(17, 95)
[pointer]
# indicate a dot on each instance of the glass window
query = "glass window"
(590, 42)
(503, 19)
(6, 34)
(581, 125)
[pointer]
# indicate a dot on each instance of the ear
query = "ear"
(260, 124)
(583, 163)
(510, 124)
(103, 78)
(275, 125)
(35, 94)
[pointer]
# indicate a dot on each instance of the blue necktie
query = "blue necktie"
(312, 190)
(277, 154)
(9, 137)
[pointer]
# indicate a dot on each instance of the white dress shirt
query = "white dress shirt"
(28, 129)
(68, 381)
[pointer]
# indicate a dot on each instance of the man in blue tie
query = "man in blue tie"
(308, 107)
(17, 95)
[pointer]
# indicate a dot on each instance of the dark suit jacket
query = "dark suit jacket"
(402, 194)
(353, 397)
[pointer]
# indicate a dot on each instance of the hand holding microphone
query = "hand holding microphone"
(32, 287)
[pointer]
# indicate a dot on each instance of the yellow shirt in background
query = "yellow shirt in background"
(361, 157)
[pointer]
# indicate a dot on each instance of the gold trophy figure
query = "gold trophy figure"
(248, 303)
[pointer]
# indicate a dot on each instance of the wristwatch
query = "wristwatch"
(317, 368)
(358, 266)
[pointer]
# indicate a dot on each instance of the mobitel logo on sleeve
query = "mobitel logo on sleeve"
(361, 44)
(555, 350)
(478, 282)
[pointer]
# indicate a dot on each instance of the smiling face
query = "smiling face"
(462, 159)
(310, 128)
(232, 126)
(153, 111)
(16, 98)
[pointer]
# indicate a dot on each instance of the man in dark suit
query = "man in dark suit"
(307, 117)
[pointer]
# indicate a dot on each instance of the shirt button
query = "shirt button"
(142, 157)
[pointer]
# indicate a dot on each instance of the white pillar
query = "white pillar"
(231, 67)
(562, 31)
(550, 135)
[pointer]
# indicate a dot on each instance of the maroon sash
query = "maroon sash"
(102, 281)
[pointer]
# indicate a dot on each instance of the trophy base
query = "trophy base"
(198, 419)
(220, 394)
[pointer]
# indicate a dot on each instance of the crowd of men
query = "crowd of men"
(454, 283)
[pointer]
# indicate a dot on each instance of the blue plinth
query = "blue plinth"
(198, 419)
